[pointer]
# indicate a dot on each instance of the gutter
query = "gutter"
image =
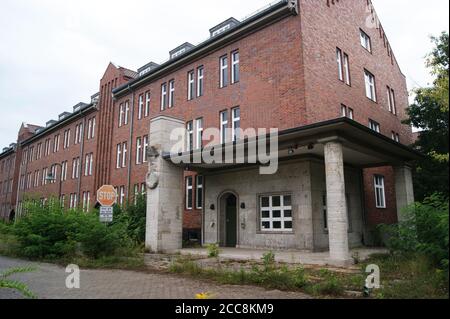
(272, 14)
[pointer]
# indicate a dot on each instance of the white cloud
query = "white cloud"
(54, 52)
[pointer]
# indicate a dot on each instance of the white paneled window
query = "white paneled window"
(124, 154)
(391, 100)
(223, 126)
(347, 69)
(375, 126)
(370, 86)
(91, 163)
(56, 144)
(93, 128)
(121, 114)
(223, 71)
(118, 155)
(380, 198)
(199, 133)
(127, 111)
(144, 148)
(171, 93)
(191, 85)
(86, 201)
(86, 165)
(339, 64)
(346, 111)
(138, 150)
(365, 41)
(235, 72)
(163, 96)
(189, 136)
(122, 195)
(199, 192)
(200, 81)
(276, 213)
(236, 123)
(140, 106)
(147, 104)
(89, 129)
(189, 192)
(395, 136)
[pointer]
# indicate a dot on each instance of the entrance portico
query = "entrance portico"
(313, 202)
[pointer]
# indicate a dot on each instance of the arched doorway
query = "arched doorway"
(228, 220)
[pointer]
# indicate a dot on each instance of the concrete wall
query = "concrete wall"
(305, 180)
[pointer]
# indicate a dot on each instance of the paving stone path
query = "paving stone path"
(48, 282)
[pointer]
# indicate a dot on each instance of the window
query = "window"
(163, 96)
(191, 84)
(86, 201)
(365, 41)
(200, 77)
(199, 192)
(93, 128)
(121, 114)
(75, 168)
(124, 154)
(138, 151)
(223, 71)
(380, 198)
(127, 111)
(189, 136)
(89, 129)
(64, 171)
(223, 126)
(370, 86)
(347, 69)
(88, 164)
(136, 193)
(189, 192)
(66, 141)
(236, 123)
(339, 64)
(147, 104)
(140, 106)
(346, 111)
(78, 133)
(199, 133)
(391, 100)
(276, 213)
(118, 155)
(144, 149)
(122, 195)
(171, 93)
(235, 67)
(395, 136)
(375, 126)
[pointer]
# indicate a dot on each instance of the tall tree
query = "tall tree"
(429, 113)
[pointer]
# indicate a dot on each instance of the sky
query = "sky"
(53, 53)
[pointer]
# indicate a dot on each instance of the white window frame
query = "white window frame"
(86, 167)
(163, 96)
(374, 126)
(189, 188)
(235, 119)
(171, 93)
(223, 126)
(121, 114)
(189, 136)
(366, 42)
(199, 133)
(144, 148)
(140, 106)
(200, 81)
(339, 64)
(380, 194)
(198, 191)
(147, 104)
(122, 195)
(346, 64)
(270, 209)
(138, 150)
(89, 129)
(224, 71)
(127, 111)
(235, 68)
(118, 155)
(124, 154)
(191, 85)
(371, 90)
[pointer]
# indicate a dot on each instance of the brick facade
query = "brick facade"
(288, 78)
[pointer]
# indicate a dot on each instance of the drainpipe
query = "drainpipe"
(81, 161)
(130, 142)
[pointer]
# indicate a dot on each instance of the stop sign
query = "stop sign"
(106, 195)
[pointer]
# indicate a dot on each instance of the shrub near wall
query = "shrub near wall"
(49, 232)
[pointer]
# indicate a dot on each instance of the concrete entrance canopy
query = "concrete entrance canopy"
(362, 147)
(342, 146)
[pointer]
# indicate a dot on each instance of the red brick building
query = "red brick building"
(293, 64)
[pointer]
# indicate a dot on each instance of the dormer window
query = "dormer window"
(182, 49)
(223, 27)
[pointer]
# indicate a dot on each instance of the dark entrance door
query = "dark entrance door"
(230, 221)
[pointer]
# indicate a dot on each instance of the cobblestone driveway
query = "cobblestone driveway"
(48, 282)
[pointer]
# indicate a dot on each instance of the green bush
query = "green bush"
(49, 232)
(133, 216)
(424, 230)
(213, 250)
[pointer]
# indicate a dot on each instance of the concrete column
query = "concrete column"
(403, 188)
(336, 202)
(164, 225)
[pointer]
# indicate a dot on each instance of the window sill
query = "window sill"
(261, 232)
